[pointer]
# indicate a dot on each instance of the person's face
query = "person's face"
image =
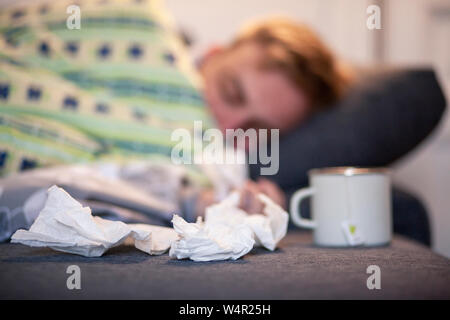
(241, 95)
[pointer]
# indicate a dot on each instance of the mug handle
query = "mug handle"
(296, 215)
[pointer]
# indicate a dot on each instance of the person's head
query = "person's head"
(273, 75)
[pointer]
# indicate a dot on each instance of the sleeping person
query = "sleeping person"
(278, 74)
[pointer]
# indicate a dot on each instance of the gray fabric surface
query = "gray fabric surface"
(297, 270)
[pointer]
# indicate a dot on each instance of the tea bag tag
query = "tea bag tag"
(352, 233)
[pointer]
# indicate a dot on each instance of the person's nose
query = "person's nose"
(227, 116)
(235, 119)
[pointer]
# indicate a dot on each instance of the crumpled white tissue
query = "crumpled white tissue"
(160, 238)
(65, 225)
(229, 232)
(208, 242)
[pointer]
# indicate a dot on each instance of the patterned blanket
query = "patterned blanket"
(112, 90)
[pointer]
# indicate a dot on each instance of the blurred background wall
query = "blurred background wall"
(414, 33)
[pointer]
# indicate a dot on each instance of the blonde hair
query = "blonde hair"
(297, 51)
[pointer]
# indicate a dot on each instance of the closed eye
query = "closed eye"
(231, 91)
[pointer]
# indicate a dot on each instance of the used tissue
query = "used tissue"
(229, 232)
(65, 225)
(207, 242)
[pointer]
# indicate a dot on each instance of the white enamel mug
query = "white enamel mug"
(349, 206)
